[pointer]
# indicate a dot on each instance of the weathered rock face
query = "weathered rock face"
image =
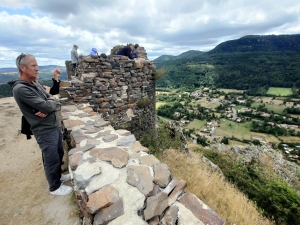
(265, 156)
(117, 182)
(121, 90)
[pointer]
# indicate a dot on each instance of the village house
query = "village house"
(266, 114)
(177, 114)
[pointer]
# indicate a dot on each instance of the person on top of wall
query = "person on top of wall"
(134, 53)
(74, 56)
(94, 52)
(126, 51)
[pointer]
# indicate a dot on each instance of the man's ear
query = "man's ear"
(22, 67)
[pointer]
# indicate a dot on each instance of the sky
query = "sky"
(48, 29)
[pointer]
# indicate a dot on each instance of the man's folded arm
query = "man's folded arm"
(37, 102)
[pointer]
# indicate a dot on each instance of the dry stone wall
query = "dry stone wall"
(117, 182)
(121, 90)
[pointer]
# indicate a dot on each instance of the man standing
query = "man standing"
(40, 110)
(74, 56)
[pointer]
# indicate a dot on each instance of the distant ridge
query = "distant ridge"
(266, 43)
(164, 58)
(14, 69)
(253, 63)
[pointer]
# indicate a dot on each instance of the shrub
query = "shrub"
(143, 102)
(161, 139)
(160, 73)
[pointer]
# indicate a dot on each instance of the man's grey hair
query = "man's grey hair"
(22, 60)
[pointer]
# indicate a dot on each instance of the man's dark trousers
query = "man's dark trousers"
(52, 151)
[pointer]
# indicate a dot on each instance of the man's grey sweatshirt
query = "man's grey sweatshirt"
(31, 98)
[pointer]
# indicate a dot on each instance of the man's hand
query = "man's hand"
(41, 114)
(47, 88)
(56, 73)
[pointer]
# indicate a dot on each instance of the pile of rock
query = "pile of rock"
(117, 181)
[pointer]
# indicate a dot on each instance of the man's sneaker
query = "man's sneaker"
(62, 190)
(65, 177)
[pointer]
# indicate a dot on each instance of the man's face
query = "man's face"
(31, 70)
(132, 47)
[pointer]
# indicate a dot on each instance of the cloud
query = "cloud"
(49, 29)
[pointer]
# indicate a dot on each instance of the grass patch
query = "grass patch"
(231, 90)
(279, 91)
(290, 139)
(268, 137)
(276, 108)
(211, 187)
(267, 99)
(196, 124)
(238, 143)
(277, 101)
(238, 130)
(255, 104)
(158, 104)
(289, 104)
(295, 115)
(163, 119)
(210, 105)
(238, 107)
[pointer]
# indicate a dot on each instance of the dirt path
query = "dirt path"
(24, 195)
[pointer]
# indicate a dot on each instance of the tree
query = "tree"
(225, 140)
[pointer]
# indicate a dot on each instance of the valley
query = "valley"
(210, 116)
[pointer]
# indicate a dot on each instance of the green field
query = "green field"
(276, 108)
(210, 105)
(159, 104)
(197, 124)
(238, 107)
(231, 90)
(253, 105)
(238, 130)
(279, 91)
(163, 119)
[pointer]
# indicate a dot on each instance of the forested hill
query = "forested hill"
(249, 63)
(254, 43)
(183, 55)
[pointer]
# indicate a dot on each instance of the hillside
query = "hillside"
(246, 63)
(187, 54)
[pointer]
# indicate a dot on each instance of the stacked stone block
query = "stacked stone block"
(116, 181)
(121, 90)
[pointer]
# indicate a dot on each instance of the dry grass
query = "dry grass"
(290, 139)
(269, 137)
(233, 206)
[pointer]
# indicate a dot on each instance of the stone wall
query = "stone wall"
(117, 182)
(121, 90)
